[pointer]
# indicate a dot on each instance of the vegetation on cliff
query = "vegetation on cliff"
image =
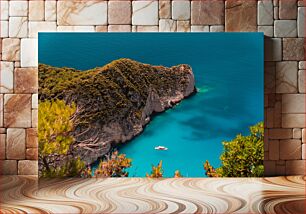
(82, 113)
(113, 166)
(242, 157)
(118, 89)
(54, 139)
(157, 171)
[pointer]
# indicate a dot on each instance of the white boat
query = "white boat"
(161, 148)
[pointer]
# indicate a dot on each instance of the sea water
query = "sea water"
(228, 69)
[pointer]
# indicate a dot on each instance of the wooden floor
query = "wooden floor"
(139, 195)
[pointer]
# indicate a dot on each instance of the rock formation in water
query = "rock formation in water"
(115, 101)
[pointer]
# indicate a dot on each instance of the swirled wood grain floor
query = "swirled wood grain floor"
(140, 195)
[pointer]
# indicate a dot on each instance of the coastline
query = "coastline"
(116, 146)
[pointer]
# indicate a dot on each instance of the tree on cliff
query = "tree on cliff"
(177, 174)
(54, 128)
(242, 157)
(114, 166)
(118, 95)
(157, 171)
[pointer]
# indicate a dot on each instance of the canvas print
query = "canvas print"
(150, 105)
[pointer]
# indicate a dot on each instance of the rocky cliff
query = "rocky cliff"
(114, 102)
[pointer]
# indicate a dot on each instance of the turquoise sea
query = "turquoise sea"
(228, 69)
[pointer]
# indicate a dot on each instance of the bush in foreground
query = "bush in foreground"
(114, 166)
(54, 139)
(242, 157)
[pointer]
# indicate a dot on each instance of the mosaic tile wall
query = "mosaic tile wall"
(282, 21)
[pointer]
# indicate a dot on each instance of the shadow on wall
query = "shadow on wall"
(280, 78)
(272, 53)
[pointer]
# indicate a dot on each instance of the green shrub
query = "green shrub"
(54, 127)
(242, 157)
(54, 138)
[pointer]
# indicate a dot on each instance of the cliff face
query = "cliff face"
(115, 101)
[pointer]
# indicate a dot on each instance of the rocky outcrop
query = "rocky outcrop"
(115, 101)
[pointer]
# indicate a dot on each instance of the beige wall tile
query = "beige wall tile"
(4, 6)
(1, 110)
(18, 27)
(293, 103)
(15, 144)
(18, 8)
(304, 135)
(27, 167)
(297, 133)
(145, 13)
(119, 12)
(50, 10)
(119, 28)
(207, 12)
(4, 29)
(180, 10)
(101, 28)
(32, 154)
(167, 25)
(31, 138)
(280, 133)
(199, 28)
(17, 110)
(267, 30)
(183, 26)
(301, 83)
(293, 120)
(240, 15)
(164, 9)
(301, 3)
(275, 13)
(7, 75)
(287, 9)
(35, 27)
(293, 49)
(89, 12)
(2, 146)
(301, 22)
(75, 28)
(216, 28)
(26, 80)
(285, 28)
(35, 99)
(8, 167)
(34, 118)
(290, 149)
(302, 65)
(286, 77)
(147, 28)
(265, 12)
(295, 167)
(36, 10)
(11, 49)
(29, 53)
